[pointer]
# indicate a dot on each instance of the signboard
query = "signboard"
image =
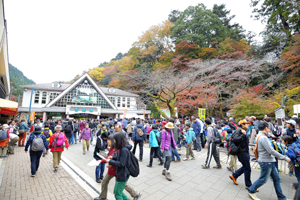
(280, 113)
(32, 115)
(84, 99)
(296, 109)
(166, 112)
(201, 113)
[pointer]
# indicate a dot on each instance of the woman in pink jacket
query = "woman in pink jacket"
(167, 143)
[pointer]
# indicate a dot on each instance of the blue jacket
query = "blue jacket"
(32, 136)
(136, 136)
(125, 122)
(152, 138)
(197, 128)
(23, 126)
(189, 135)
(290, 152)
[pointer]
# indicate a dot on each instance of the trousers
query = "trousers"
(212, 151)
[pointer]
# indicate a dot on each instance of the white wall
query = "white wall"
(26, 98)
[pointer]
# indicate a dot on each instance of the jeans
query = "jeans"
(175, 152)
(44, 150)
(197, 143)
(35, 160)
(154, 150)
(268, 169)
(297, 173)
(178, 143)
(141, 143)
(74, 137)
(246, 169)
(100, 169)
(70, 140)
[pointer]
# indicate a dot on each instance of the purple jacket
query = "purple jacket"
(166, 139)
(81, 126)
(86, 134)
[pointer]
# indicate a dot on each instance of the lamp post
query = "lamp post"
(36, 90)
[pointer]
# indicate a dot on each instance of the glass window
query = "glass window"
(44, 97)
(37, 97)
(123, 102)
(128, 102)
(119, 102)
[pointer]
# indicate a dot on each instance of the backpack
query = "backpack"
(37, 143)
(217, 137)
(134, 168)
(68, 128)
(256, 147)
(148, 129)
(277, 131)
(59, 140)
(140, 132)
(233, 149)
(46, 133)
(278, 147)
(232, 125)
(3, 135)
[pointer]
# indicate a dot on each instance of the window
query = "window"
(119, 102)
(128, 102)
(53, 95)
(112, 99)
(37, 97)
(44, 97)
(123, 102)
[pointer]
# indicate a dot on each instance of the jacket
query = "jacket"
(189, 135)
(125, 122)
(152, 138)
(291, 132)
(101, 145)
(129, 128)
(136, 136)
(92, 125)
(112, 169)
(30, 139)
(70, 132)
(86, 134)
(81, 126)
(176, 132)
(197, 128)
(50, 133)
(122, 161)
(290, 152)
(51, 145)
(23, 126)
(76, 127)
(241, 140)
(4, 143)
(166, 140)
(52, 128)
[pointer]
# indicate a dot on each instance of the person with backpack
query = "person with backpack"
(232, 163)
(290, 152)
(138, 138)
(154, 143)
(75, 132)
(176, 133)
(86, 136)
(167, 143)
(123, 163)
(47, 133)
(211, 143)
(68, 130)
(101, 145)
(23, 129)
(37, 142)
(266, 159)
(13, 136)
(189, 137)
(4, 140)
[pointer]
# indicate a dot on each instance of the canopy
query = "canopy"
(8, 107)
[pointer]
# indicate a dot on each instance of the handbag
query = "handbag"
(21, 131)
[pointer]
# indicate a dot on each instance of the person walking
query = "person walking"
(198, 130)
(154, 145)
(190, 134)
(212, 147)
(75, 132)
(23, 129)
(86, 136)
(13, 136)
(57, 142)
(101, 145)
(4, 140)
(47, 133)
(68, 130)
(37, 142)
(167, 143)
(176, 133)
(138, 138)
(266, 160)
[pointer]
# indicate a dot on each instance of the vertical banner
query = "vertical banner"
(201, 113)
(125, 111)
(144, 114)
(32, 115)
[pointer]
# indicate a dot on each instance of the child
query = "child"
(47, 133)
(232, 164)
(190, 134)
(290, 146)
(4, 140)
(101, 145)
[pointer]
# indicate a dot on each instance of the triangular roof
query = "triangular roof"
(72, 86)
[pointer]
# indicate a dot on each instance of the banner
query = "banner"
(32, 115)
(84, 99)
(125, 111)
(201, 113)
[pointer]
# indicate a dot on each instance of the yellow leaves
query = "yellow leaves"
(97, 74)
(229, 46)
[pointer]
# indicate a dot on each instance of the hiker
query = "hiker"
(240, 138)
(57, 142)
(232, 164)
(37, 142)
(101, 145)
(47, 133)
(13, 136)
(290, 147)
(190, 134)
(154, 143)
(121, 162)
(86, 136)
(198, 131)
(176, 133)
(75, 132)
(167, 143)
(4, 140)
(266, 160)
(111, 173)
(212, 147)
(138, 138)
(68, 130)
(23, 129)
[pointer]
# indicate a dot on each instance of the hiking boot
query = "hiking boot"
(290, 173)
(164, 172)
(247, 188)
(149, 165)
(98, 180)
(253, 196)
(193, 158)
(186, 159)
(137, 197)
(55, 169)
(205, 167)
(230, 169)
(217, 167)
(168, 176)
(161, 163)
(233, 179)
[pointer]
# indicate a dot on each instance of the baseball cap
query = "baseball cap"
(244, 122)
(291, 121)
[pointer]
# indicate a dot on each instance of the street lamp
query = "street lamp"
(36, 90)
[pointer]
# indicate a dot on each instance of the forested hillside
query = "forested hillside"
(17, 78)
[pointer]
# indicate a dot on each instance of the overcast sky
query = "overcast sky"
(58, 39)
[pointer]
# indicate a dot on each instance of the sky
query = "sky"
(58, 39)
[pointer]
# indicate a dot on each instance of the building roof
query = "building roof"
(48, 86)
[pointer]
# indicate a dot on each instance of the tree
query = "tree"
(174, 15)
(97, 74)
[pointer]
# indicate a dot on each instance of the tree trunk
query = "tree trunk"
(158, 109)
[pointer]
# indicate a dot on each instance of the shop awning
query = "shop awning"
(8, 107)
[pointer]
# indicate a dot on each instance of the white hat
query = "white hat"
(291, 121)
(294, 116)
(169, 125)
(5, 126)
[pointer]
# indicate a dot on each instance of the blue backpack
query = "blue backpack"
(3, 135)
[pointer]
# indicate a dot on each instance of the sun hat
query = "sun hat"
(5, 126)
(169, 125)
(244, 122)
(37, 130)
(57, 128)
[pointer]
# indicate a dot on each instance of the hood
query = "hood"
(139, 126)
(129, 146)
(190, 129)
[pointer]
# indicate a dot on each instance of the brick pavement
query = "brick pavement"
(17, 183)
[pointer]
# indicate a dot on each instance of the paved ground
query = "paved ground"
(190, 181)
(17, 184)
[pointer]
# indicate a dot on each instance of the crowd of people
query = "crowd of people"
(116, 141)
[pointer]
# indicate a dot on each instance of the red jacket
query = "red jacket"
(57, 148)
(111, 169)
